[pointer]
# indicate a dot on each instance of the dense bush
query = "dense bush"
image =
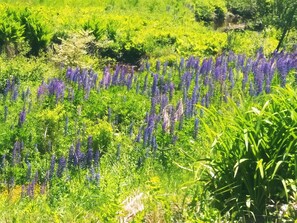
(253, 162)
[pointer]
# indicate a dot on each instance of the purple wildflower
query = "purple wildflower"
(196, 126)
(42, 90)
(61, 166)
(171, 90)
(96, 158)
(155, 85)
(16, 153)
(29, 170)
(52, 167)
(89, 155)
(15, 93)
(158, 66)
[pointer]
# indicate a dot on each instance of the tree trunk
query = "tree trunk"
(287, 27)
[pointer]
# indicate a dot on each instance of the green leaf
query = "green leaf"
(256, 111)
(276, 168)
(260, 167)
(246, 139)
(236, 166)
(285, 188)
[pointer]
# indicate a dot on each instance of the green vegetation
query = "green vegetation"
(148, 111)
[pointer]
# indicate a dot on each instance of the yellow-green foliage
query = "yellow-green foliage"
(101, 133)
(166, 30)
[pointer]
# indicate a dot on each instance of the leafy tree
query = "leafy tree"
(284, 18)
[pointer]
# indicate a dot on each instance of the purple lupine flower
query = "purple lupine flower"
(42, 89)
(251, 89)
(179, 110)
(130, 81)
(79, 156)
(106, 80)
(206, 66)
(171, 90)
(61, 166)
(145, 137)
(189, 107)
(97, 178)
(258, 76)
(231, 56)
(154, 145)
(92, 174)
(164, 102)
(96, 158)
(153, 105)
(52, 167)
(158, 66)
(188, 80)
(181, 123)
(15, 93)
(231, 77)
(56, 88)
(69, 74)
(190, 62)
(182, 64)
(16, 153)
(283, 69)
(7, 87)
(260, 53)
(30, 189)
(172, 120)
(165, 88)
(203, 101)
(195, 96)
(147, 65)
(240, 62)
(114, 80)
(196, 126)
(122, 80)
(71, 156)
(89, 156)
(166, 121)
(148, 132)
(223, 72)
(145, 84)
(155, 85)
(29, 170)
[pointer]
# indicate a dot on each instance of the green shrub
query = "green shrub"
(37, 32)
(73, 50)
(254, 157)
(11, 33)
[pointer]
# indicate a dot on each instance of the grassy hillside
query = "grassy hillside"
(143, 111)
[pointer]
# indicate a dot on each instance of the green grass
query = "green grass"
(236, 163)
